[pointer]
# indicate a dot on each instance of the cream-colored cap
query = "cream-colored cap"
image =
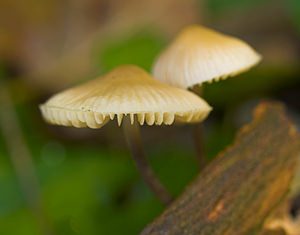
(126, 90)
(200, 55)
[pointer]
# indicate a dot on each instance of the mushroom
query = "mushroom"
(132, 97)
(199, 55)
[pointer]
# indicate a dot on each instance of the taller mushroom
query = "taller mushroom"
(132, 97)
(199, 55)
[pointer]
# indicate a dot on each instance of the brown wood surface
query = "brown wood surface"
(238, 190)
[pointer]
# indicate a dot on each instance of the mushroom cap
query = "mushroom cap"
(199, 55)
(126, 90)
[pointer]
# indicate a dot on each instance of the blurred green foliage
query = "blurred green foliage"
(90, 189)
(293, 7)
(221, 6)
(248, 85)
(138, 48)
(1, 73)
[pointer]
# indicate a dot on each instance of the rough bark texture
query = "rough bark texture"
(238, 190)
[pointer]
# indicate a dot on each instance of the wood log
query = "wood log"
(239, 189)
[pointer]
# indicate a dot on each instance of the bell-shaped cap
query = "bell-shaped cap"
(199, 55)
(126, 90)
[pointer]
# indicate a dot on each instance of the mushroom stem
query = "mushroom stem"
(134, 142)
(199, 146)
(198, 135)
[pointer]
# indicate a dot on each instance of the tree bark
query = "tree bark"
(238, 190)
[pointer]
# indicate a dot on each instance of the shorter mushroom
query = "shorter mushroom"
(197, 55)
(132, 97)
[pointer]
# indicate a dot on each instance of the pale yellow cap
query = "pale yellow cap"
(200, 55)
(126, 90)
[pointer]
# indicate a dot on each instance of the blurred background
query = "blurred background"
(65, 181)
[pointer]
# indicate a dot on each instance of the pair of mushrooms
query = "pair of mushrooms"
(133, 97)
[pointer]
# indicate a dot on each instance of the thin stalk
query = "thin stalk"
(199, 146)
(21, 159)
(198, 136)
(133, 138)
